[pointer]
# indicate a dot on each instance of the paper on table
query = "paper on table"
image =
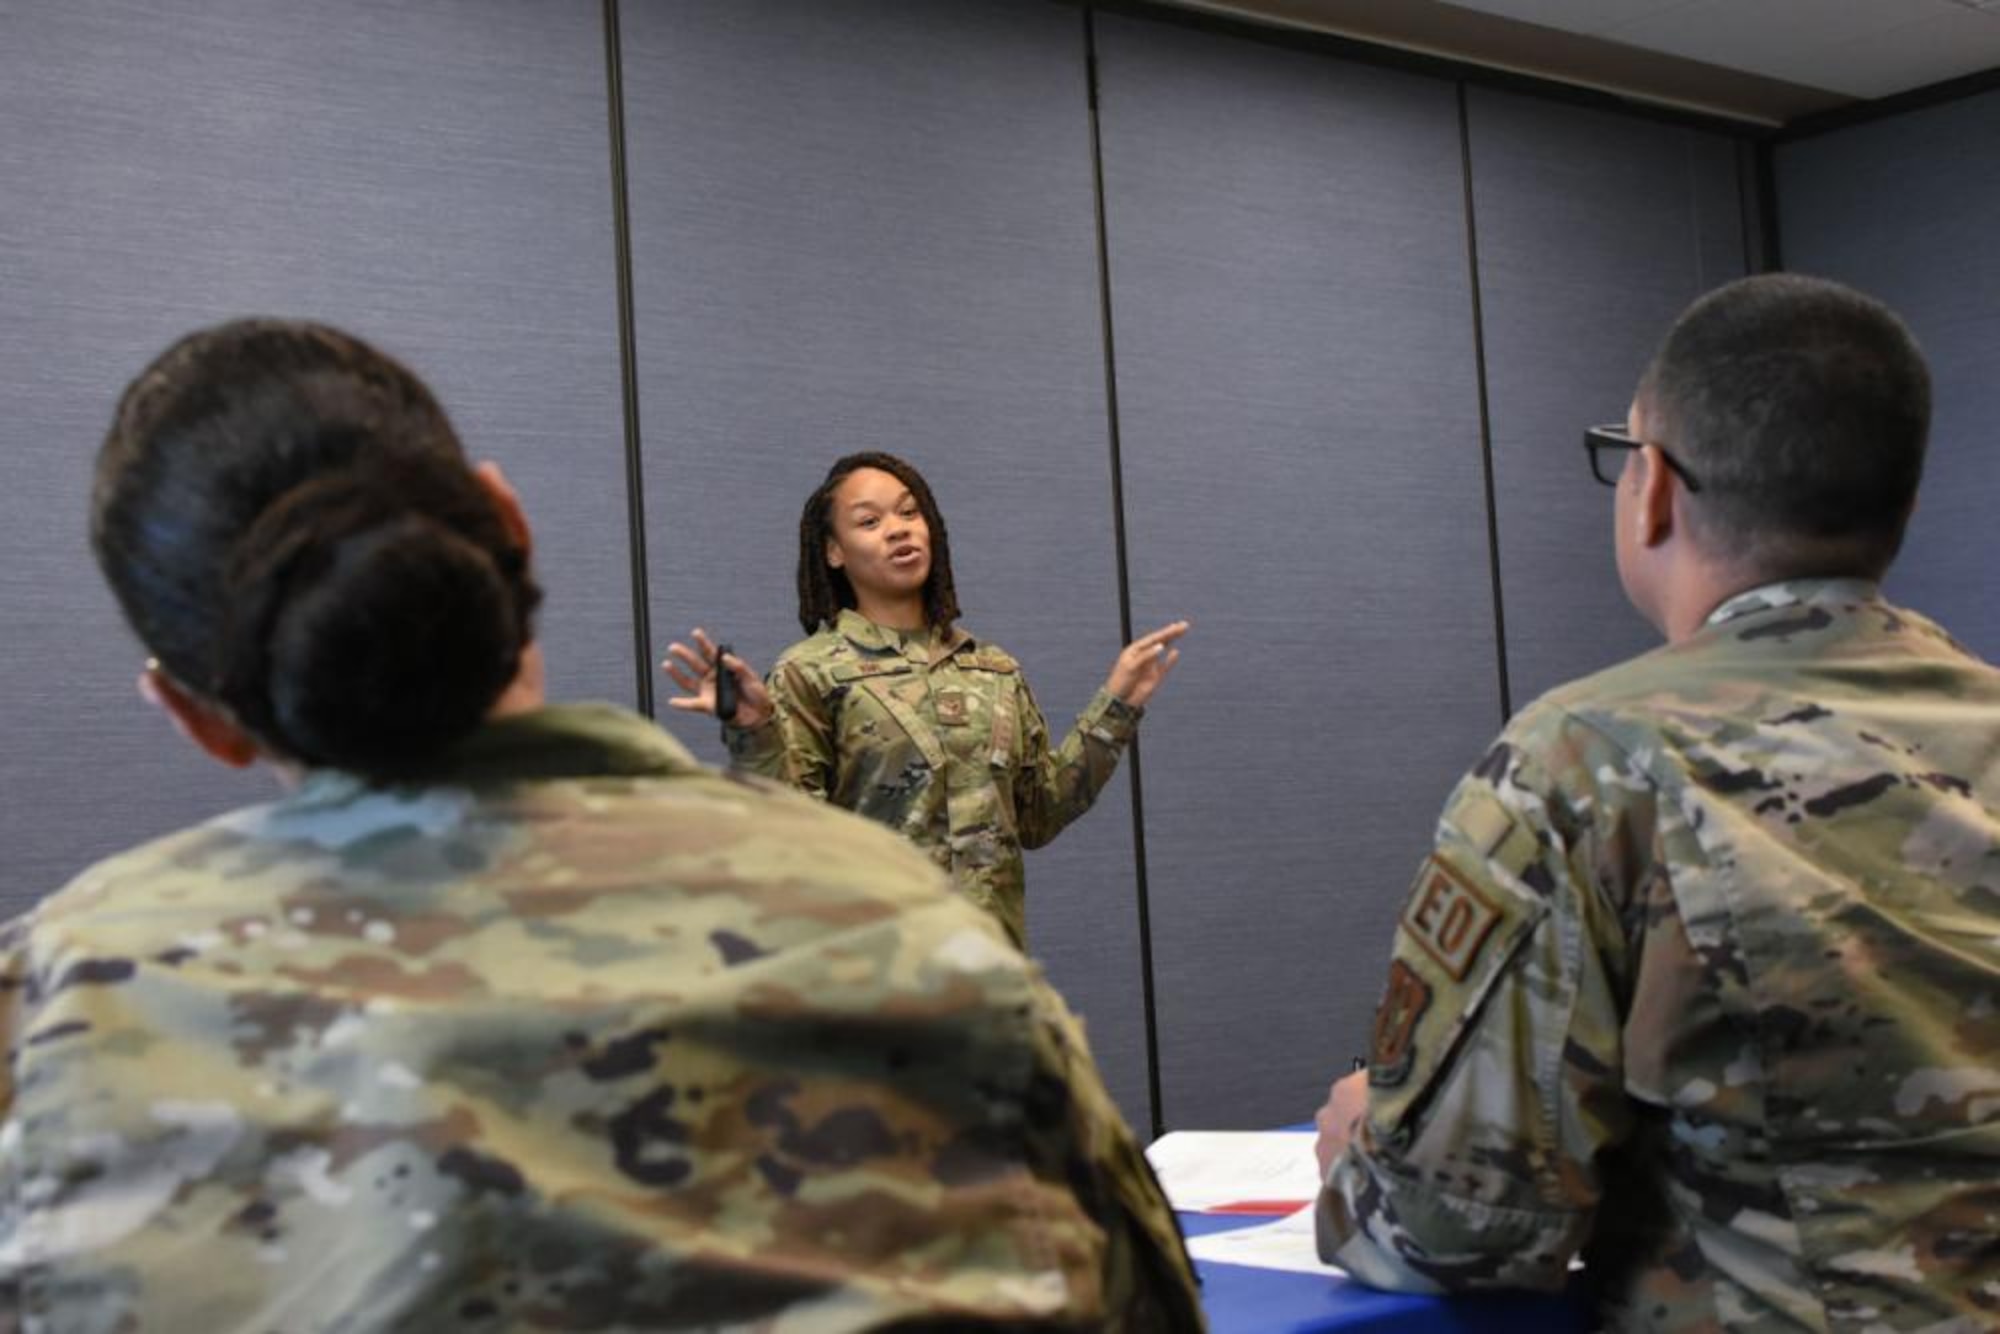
(1236, 1171)
(1283, 1243)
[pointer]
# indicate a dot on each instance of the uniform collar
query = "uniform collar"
(560, 741)
(864, 634)
(1794, 593)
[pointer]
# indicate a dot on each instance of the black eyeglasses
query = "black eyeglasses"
(1597, 439)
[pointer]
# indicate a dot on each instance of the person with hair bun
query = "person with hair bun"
(505, 1015)
(290, 525)
(891, 709)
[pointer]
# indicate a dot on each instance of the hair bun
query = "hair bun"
(372, 621)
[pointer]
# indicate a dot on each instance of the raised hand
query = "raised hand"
(693, 670)
(1144, 664)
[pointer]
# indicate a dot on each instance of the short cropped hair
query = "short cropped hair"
(1802, 408)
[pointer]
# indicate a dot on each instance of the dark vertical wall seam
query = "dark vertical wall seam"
(1689, 176)
(1132, 764)
(1485, 416)
(1767, 205)
(1747, 211)
(628, 364)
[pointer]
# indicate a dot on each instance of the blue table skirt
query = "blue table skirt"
(1241, 1300)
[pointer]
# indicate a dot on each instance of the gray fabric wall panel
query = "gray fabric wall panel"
(1904, 209)
(433, 177)
(1595, 230)
(870, 226)
(1302, 473)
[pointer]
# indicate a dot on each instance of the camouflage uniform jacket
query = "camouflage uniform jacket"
(936, 736)
(1702, 977)
(574, 1035)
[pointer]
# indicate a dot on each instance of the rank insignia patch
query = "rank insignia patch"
(1450, 919)
(1394, 1049)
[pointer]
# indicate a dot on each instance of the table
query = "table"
(1241, 1300)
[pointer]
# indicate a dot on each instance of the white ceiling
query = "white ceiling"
(1762, 60)
(1863, 48)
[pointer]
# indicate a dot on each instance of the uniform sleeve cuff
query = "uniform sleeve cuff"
(1110, 718)
(753, 747)
(1400, 1232)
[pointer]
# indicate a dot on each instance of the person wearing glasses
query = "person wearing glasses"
(1701, 979)
(506, 1015)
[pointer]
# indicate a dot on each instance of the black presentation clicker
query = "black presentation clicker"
(725, 685)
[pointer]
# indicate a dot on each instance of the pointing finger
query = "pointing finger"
(1164, 635)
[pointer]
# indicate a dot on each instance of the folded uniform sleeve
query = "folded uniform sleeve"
(1494, 1067)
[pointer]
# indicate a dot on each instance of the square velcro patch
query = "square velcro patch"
(1449, 918)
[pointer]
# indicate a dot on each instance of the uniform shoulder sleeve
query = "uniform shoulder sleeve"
(797, 746)
(993, 658)
(1494, 1080)
(14, 990)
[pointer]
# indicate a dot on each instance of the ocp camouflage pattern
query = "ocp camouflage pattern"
(1702, 979)
(574, 1035)
(936, 736)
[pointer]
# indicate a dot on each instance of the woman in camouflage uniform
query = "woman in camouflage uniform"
(506, 1015)
(893, 710)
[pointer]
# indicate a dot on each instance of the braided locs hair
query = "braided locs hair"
(823, 590)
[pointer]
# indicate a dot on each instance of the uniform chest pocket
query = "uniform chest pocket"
(993, 684)
(881, 714)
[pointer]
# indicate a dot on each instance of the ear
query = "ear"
(1658, 489)
(207, 726)
(834, 556)
(508, 501)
